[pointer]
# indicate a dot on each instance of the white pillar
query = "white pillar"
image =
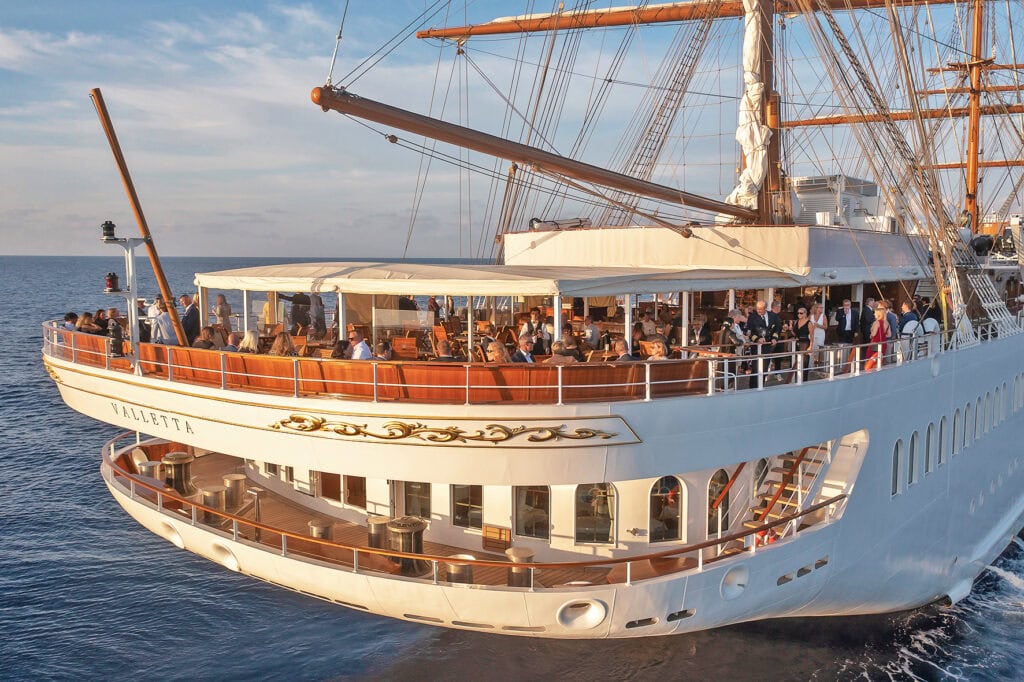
(470, 328)
(732, 299)
(342, 317)
(684, 312)
(557, 301)
(628, 326)
(245, 311)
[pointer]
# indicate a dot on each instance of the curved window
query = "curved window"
(957, 431)
(912, 460)
(1002, 404)
(760, 473)
(943, 440)
(997, 408)
(989, 421)
(533, 511)
(718, 515)
(595, 513)
(896, 467)
(979, 419)
(666, 509)
(929, 449)
(968, 426)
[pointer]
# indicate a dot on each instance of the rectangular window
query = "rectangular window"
(417, 499)
(533, 508)
(289, 474)
(271, 469)
(467, 506)
(330, 486)
(355, 491)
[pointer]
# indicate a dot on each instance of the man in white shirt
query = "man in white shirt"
(591, 334)
(360, 349)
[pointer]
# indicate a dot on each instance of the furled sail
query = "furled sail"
(751, 133)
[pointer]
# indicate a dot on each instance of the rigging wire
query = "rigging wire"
(337, 43)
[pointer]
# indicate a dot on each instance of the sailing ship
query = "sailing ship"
(621, 497)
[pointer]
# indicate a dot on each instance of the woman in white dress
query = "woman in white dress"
(818, 326)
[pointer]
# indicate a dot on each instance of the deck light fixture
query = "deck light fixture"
(107, 231)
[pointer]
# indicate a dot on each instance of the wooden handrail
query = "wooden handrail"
(725, 490)
(685, 549)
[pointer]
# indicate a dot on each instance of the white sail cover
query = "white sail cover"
(751, 133)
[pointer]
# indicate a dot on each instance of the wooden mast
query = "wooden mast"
(974, 115)
(140, 218)
(626, 16)
(770, 114)
(346, 103)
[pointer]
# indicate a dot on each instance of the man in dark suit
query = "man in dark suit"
(190, 318)
(622, 351)
(867, 319)
(763, 328)
(847, 322)
(525, 352)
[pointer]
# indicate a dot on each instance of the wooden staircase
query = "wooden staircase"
(789, 486)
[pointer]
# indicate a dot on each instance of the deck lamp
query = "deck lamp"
(107, 231)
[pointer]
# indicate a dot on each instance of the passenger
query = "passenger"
(880, 334)
(637, 335)
(701, 330)
(591, 333)
(802, 329)
(205, 339)
(571, 347)
(525, 352)
(496, 352)
(360, 349)
(342, 350)
(382, 351)
(658, 350)
(250, 343)
(444, 352)
(846, 323)
(300, 310)
(222, 311)
(70, 321)
(622, 352)
(234, 338)
(100, 318)
(647, 325)
(909, 315)
(559, 355)
(819, 323)
(317, 321)
(283, 346)
(892, 319)
(488, 338)
(87, 324)
(163, 328)
(189, 318)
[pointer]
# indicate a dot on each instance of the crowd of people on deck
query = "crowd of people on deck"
(749, 331)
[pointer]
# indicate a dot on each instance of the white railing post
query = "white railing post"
(467, 383)
(375, 382)
(284, 545)
(647, 382)
(170, 363)
(629, 572)
(878, 354)
(700, 559)
(223, 372)
(159, 501)
(832, 363)
(131, 488)
(295, 376)
(531, 578)
(760, 369)
(559, 369)
(74, 347)
(355, 560)
(234, 529)
(799, 368)
(433, 564)
(711, 377)
(194, 514)
(856, 360)
(109, 345)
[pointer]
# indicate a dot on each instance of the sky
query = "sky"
(210, 102)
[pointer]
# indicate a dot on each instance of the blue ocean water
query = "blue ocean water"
(85, 593)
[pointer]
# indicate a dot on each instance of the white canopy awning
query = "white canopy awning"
(486, 280)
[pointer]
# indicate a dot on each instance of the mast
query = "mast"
(974, 116)
(140, 218)
(651, 14)
(345, 102)
(772, 184)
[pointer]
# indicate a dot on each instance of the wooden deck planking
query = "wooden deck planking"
(279, 512)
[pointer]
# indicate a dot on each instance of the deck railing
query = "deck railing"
(684, 558)
(704, 372)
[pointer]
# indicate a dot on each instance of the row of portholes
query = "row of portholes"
(802, 571)
(975, 420)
